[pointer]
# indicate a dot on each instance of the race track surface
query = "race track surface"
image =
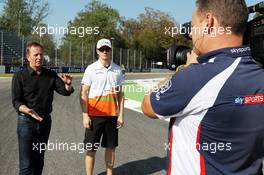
(141, 148)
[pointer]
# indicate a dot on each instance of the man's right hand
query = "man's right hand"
(35, 115)
(24, 109)
(87, 122)
(191, 58)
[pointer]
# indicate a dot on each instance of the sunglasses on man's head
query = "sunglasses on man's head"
(107, 49)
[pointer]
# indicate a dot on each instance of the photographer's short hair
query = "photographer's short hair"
(33, 44)
(230, 13)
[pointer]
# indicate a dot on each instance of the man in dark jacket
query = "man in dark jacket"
(32, 96)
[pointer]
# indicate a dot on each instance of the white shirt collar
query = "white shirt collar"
(100, 65)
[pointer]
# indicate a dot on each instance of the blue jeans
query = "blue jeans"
(32, 134)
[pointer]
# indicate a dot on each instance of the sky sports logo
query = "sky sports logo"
(250, 99)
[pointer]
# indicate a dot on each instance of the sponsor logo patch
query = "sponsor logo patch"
(163, 89)
(250, 99)
(240, 50)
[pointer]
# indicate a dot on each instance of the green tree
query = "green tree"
(21, 15)
(148, 33)
(129, 30)
(101, 20)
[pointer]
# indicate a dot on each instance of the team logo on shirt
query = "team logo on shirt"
(250, 99)
(163, 89)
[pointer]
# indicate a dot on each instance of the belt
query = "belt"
(25, 115)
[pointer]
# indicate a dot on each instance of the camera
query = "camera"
(254, 36)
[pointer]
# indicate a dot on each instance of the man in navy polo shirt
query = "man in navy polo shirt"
(216, 102)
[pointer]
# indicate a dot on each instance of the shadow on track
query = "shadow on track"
(141, 167)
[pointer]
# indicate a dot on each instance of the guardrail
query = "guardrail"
(66, 69)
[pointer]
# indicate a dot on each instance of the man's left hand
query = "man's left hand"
(120, 122)
(66, 78)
